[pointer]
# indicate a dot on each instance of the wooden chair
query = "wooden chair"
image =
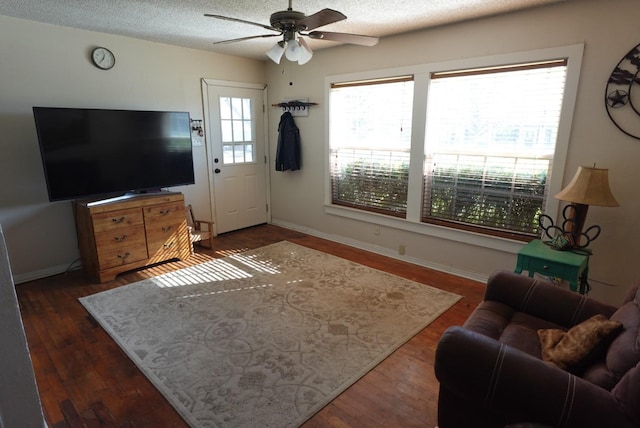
(198, 234)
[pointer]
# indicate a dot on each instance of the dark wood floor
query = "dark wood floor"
(85, 380)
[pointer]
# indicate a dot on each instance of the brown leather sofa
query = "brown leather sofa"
(491, 373)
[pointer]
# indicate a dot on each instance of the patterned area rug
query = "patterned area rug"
(264, 338)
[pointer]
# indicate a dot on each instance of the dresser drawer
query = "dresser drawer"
(121, 255)
(164, 250)
(111, 240)
(117, 220)
(166, 237)
(165, 214)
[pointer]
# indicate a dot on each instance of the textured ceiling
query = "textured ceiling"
(182, 22)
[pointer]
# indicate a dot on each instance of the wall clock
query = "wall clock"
(103, 58)
(622, 96)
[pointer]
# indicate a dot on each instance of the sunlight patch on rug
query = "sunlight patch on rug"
(264, 338)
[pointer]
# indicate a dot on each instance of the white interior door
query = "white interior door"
(235, 130)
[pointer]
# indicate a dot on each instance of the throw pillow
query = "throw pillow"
(572, 348)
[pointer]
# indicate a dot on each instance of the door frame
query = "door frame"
(205, 84)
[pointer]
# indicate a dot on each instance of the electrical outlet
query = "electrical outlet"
(401, 249)
(376, 230)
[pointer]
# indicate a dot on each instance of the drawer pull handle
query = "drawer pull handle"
(120, 238)
(166, 228)
(118, 220)
(124, 256)
(167, 246)
(165, 212)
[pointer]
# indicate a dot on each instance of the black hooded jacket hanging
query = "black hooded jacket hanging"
(288, 151)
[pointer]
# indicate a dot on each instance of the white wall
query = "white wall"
(606, 29)
(46, 65)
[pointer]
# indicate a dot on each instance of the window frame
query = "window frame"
(550, 72)
(356, 151)
(422, 74)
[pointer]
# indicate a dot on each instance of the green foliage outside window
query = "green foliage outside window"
(379, 186)
(496, 197)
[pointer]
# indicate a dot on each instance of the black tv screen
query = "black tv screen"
(94, 152)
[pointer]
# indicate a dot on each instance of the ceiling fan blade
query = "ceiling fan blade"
(318, 19)
(354, 39)
(228, 18)
(222, 42)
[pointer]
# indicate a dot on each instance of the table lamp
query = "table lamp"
(590, 186)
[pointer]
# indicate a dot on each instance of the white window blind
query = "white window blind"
(370, 142)
(491, 135)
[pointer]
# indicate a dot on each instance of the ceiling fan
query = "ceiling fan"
(290, 24)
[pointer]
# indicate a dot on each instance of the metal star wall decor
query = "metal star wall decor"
(622, 95)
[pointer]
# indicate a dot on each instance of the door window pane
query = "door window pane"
(237, 129)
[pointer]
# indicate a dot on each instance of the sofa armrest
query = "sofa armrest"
(543, 299)
(508, 382)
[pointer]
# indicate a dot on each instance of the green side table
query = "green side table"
(539, 257)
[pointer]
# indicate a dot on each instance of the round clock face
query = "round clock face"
(103, 58)
(622, 96)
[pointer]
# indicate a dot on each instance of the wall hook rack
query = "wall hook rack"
(295, 107)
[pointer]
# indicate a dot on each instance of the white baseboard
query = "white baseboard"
(382, 251)
(42, 273)
(474, 276)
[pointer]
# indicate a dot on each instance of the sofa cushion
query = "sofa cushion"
(571, 350)
(627, 392)
(502, 323)
(624, 351)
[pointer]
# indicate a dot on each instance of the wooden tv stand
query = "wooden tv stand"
(120, 234)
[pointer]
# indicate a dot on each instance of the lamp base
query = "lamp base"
(575, 216)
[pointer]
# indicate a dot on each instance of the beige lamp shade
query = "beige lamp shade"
(590, 186)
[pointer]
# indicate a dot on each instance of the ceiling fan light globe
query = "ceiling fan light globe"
(304, 58)
(293, 50)
(276, 52)
(305, 52)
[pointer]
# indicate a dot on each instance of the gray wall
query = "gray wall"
(19, 399)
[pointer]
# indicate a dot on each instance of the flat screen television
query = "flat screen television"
(96, 152)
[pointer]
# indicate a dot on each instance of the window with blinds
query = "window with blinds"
(370, 144)
(490, 139)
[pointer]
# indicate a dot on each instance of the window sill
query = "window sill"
(466, 237)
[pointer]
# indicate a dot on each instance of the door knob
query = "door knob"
(217, 170)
